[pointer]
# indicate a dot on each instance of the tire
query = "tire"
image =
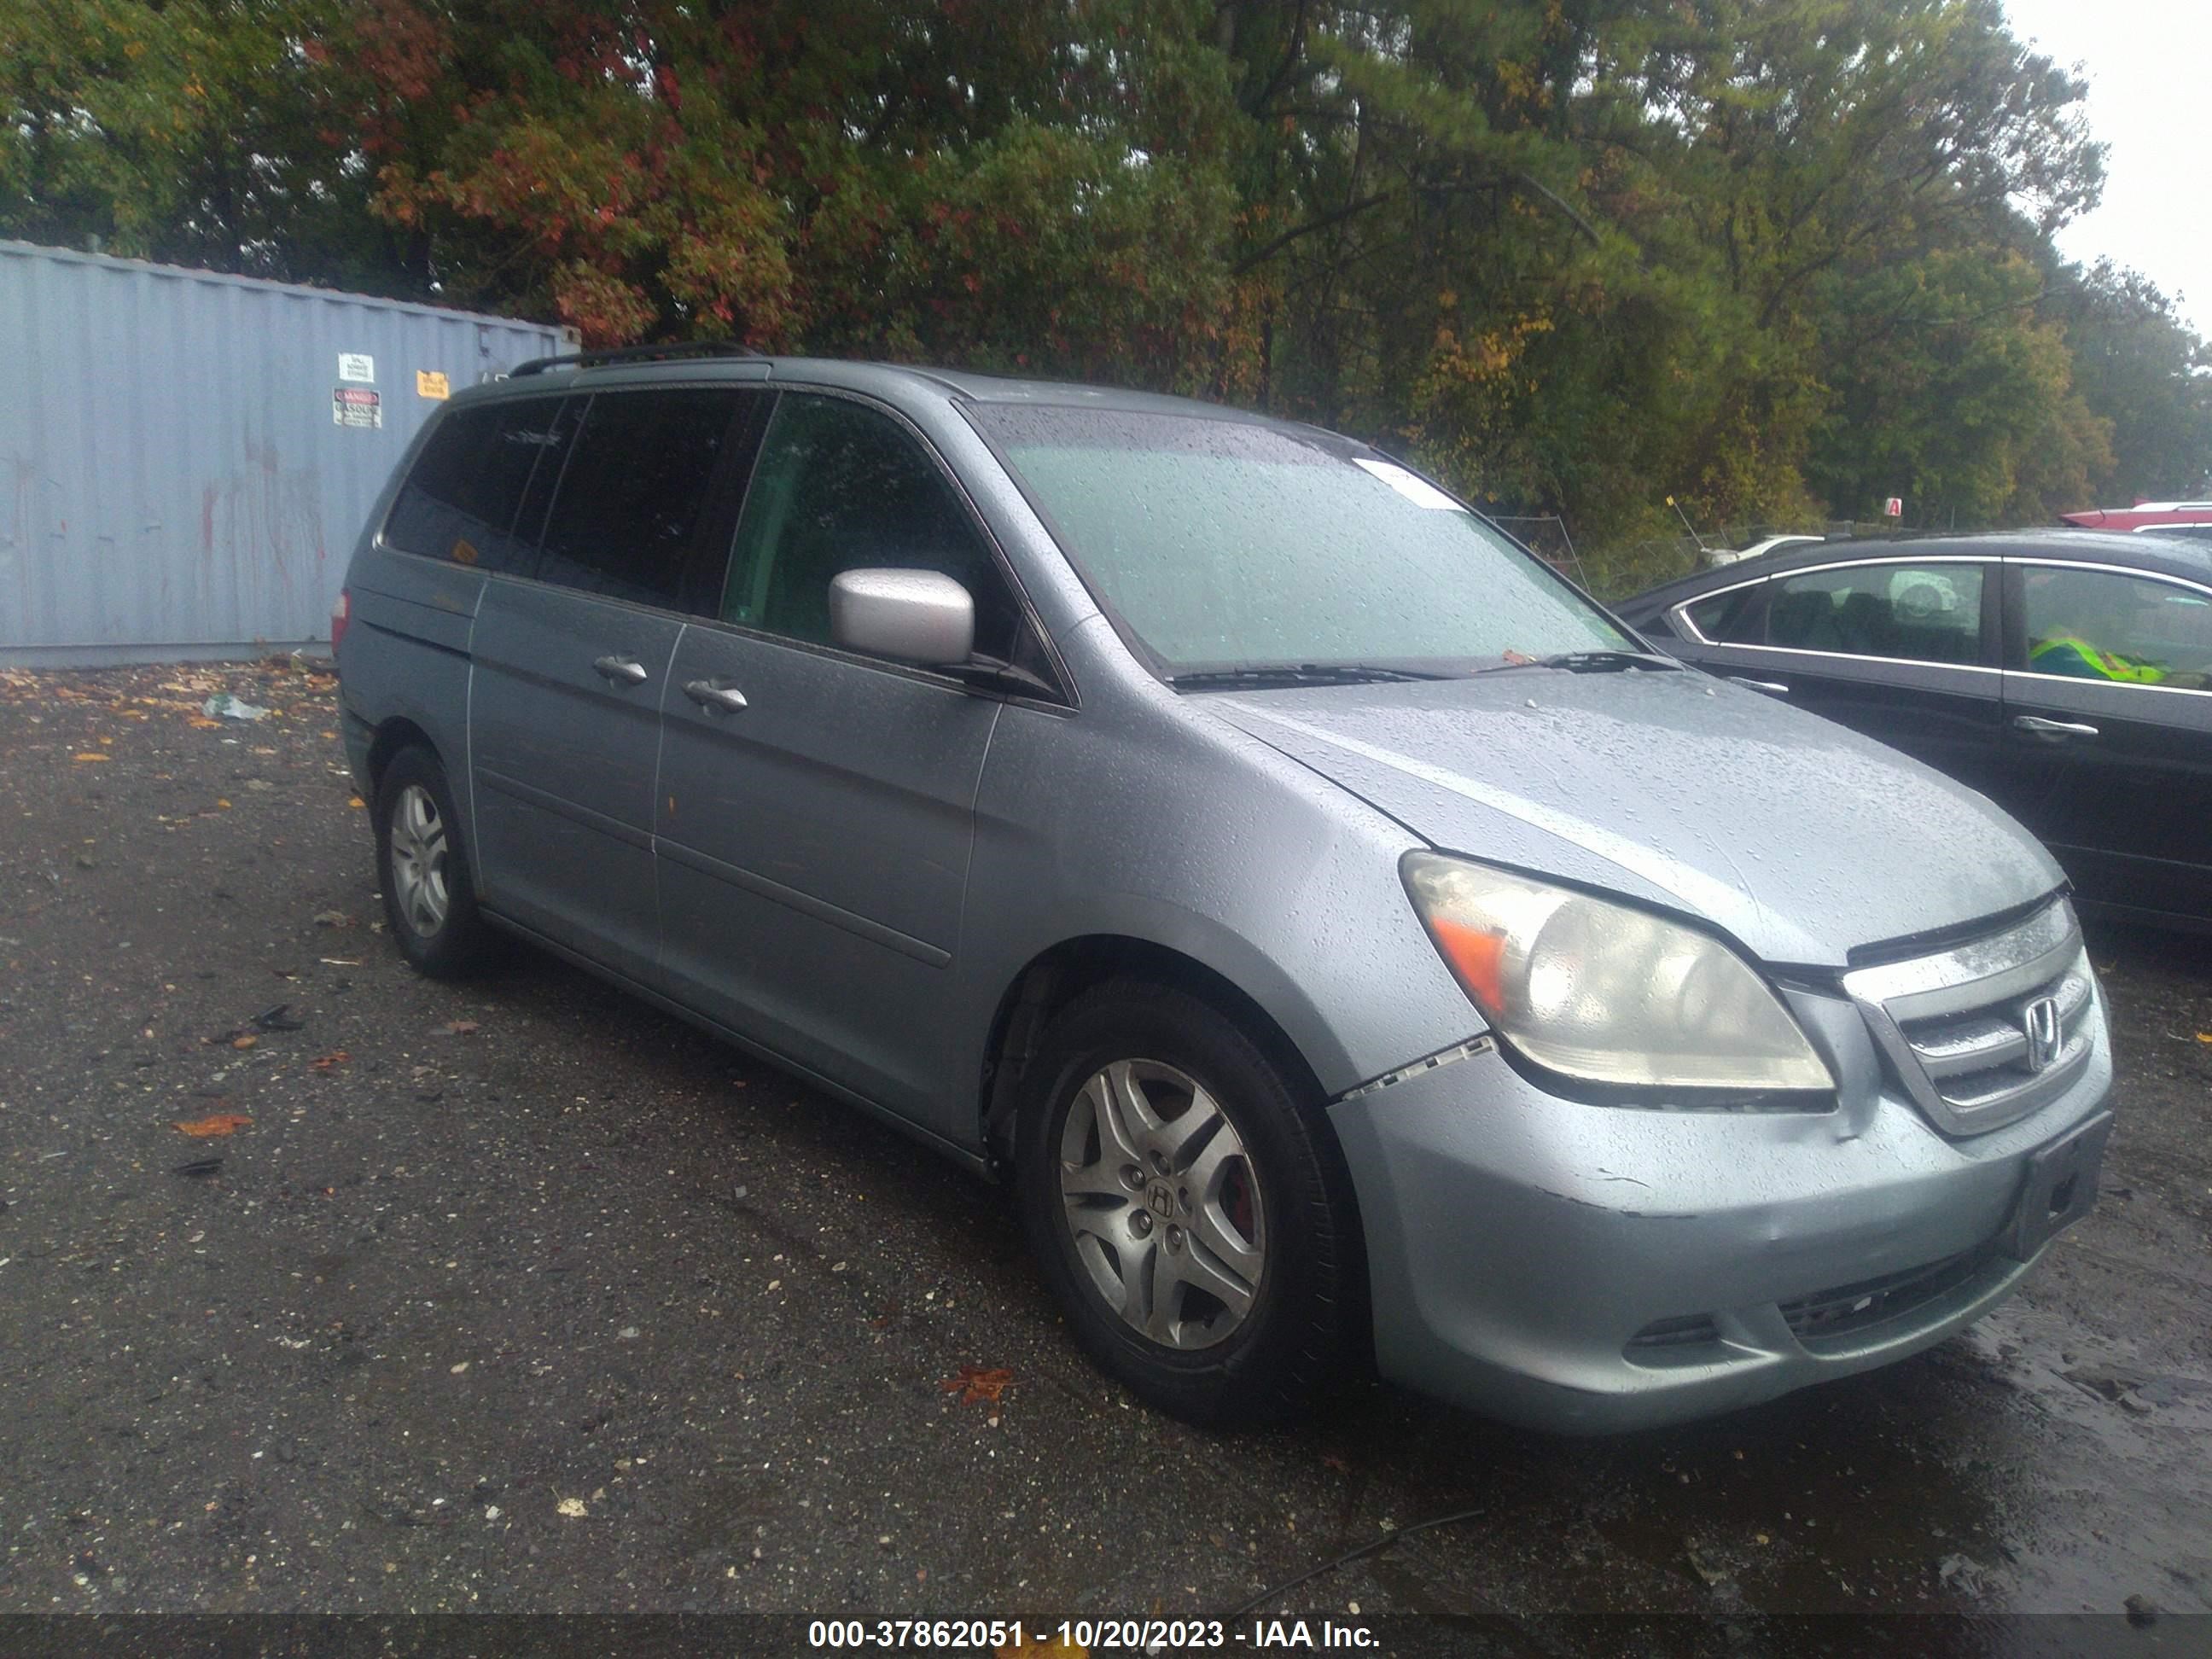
(1259, 1200)
(429, 894)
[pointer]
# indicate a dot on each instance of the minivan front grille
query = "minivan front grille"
(1982, 1034)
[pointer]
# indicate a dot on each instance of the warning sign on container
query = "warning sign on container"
(356, 405)
(431, 383)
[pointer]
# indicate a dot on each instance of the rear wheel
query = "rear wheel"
(1187, 1208)
(429, 896)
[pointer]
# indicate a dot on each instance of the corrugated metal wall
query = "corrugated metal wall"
(173, 482)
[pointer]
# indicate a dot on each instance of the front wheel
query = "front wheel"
(429, 894)
(1189, 1208)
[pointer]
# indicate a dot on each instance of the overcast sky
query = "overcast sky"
(2150, 67)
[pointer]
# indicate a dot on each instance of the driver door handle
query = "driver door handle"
(627, 670)
(2036, 723)
(1775, 686)
(708, 694)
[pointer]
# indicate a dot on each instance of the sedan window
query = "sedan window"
(2102, 625)
(1736, 618)
(1914, 613)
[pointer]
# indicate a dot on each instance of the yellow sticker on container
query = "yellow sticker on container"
(431, 383)
(465, 552)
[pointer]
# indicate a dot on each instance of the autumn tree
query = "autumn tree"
(1772, 258)
(191, 133)
(2139, 367)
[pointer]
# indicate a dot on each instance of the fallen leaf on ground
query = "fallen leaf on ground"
(355, 800)
(1704, 1565)
(460, 1028)
(2204, 1036)
(332, 918)
(979, 1385)
(572, 1508)
(88, 756)
(203, 722)
(244, 1041)
(222, 1123)
(336, 1057)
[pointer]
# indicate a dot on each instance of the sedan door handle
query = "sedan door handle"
(1775, 686)
(627, 670)
(2037, 724)
(708, 694)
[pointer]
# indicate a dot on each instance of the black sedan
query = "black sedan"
(2065, 674)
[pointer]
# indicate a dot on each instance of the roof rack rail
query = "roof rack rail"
(637, 353)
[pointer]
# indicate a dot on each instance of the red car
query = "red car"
(2192, 519)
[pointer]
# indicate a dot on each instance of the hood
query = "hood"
(1795, 836)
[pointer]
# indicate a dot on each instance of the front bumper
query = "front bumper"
(1586, 1270)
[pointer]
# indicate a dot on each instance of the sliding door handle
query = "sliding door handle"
(2043, 727)
(620, 671)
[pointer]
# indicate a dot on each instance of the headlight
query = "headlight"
(1604, 994)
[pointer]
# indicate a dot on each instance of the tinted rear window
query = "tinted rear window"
(459, 502)
(1737, 618)
(631, 501)
(1914, 613)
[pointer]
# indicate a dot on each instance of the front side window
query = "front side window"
(2107, 625)
(460, 500)
(625, 519)
(840, 487)
(1914, 613)
(1225, 545)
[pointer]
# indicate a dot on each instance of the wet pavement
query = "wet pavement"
(520, 1296)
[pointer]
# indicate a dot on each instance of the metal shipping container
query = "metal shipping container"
(188, 456)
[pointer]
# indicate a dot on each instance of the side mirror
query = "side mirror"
(909, 616)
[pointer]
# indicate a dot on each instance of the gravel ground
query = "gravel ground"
(522, 1297)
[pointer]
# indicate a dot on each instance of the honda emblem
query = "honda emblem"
(2039, 1021)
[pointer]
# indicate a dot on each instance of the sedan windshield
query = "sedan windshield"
(1236, 551)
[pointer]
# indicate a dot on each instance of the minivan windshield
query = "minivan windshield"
(1234, 548)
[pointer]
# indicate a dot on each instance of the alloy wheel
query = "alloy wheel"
(418, 859)
(1163, 1204)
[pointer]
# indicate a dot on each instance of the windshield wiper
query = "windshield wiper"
(1300, 673)
(1588, 662)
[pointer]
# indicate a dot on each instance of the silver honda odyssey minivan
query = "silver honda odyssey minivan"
(1352, 946)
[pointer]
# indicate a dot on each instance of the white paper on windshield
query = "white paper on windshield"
(1418, 491)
